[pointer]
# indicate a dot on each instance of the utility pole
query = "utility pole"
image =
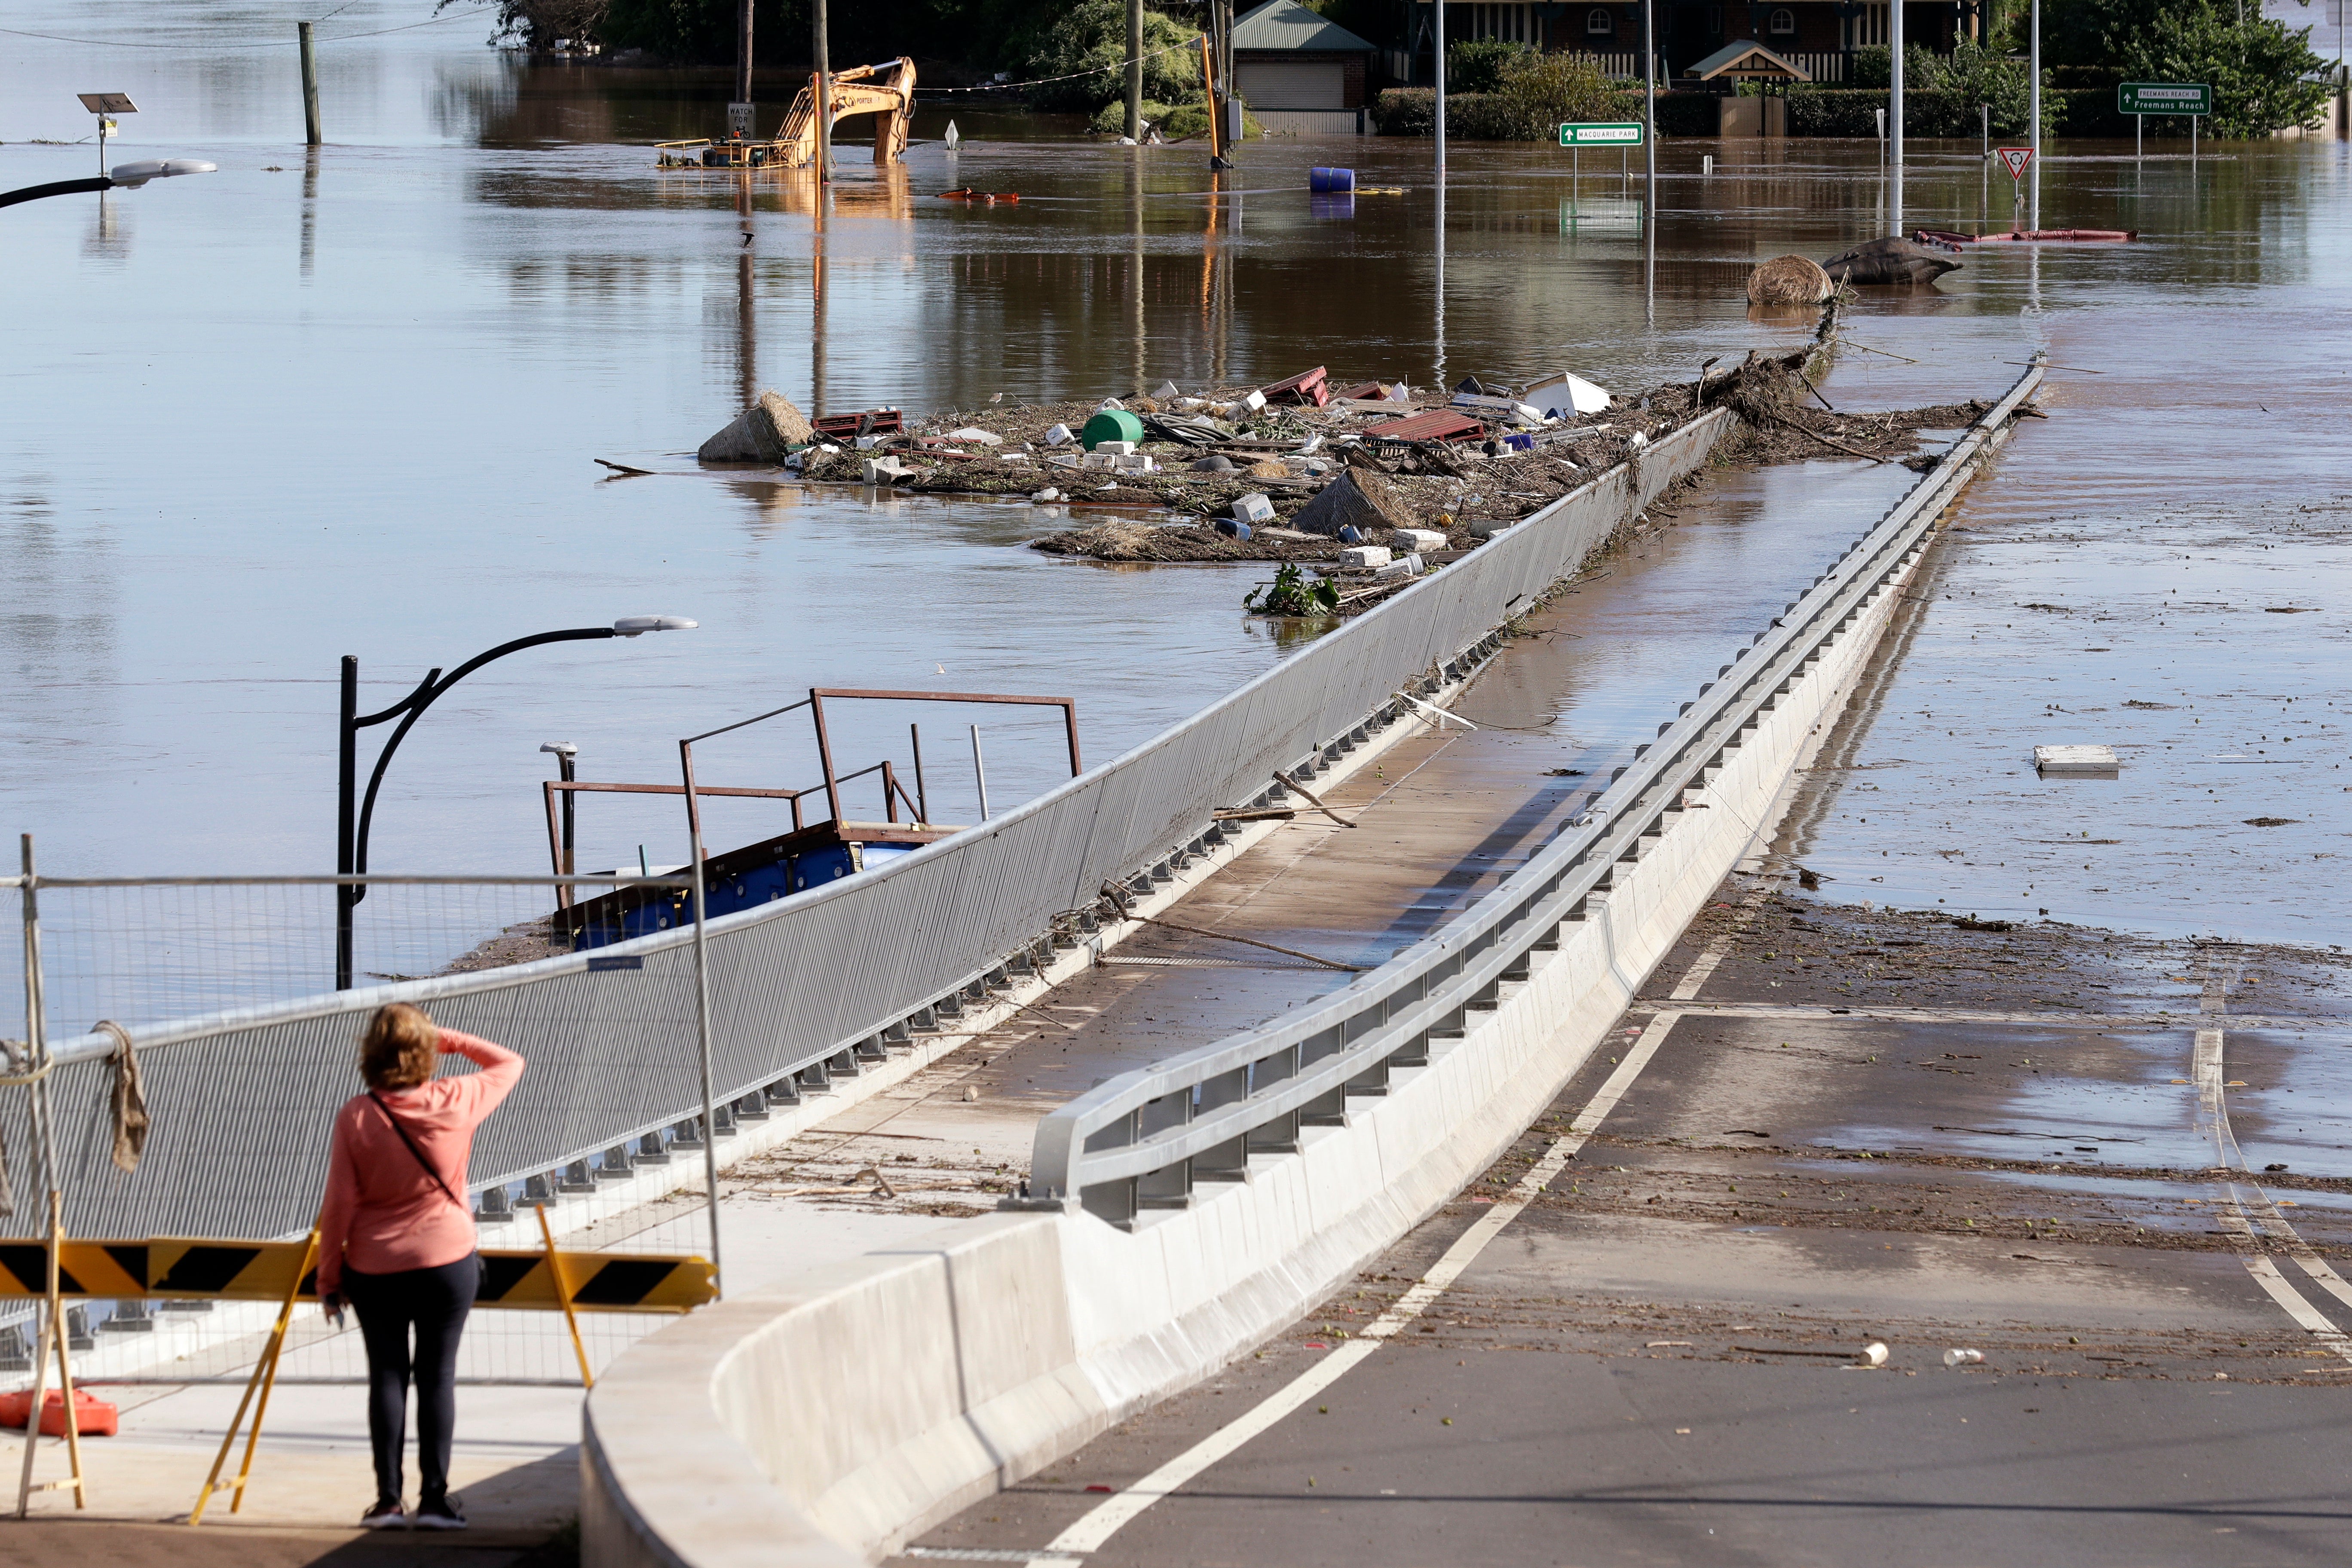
(740, 113)
(310, 86)
(1135, 71)
(824, 100)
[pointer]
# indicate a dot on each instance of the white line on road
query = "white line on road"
(2213, 1119)
(1100, 1523)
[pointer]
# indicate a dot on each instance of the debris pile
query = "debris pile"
(1313, 469)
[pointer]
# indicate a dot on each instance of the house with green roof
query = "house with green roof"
(1300, 73)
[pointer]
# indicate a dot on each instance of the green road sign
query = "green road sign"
(1613, 133)
(2164, 98)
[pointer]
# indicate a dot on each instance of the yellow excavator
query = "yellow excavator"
(887, 90)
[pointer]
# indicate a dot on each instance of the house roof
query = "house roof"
(1750, 59)
(1289, 27)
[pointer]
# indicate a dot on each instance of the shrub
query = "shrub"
(1110, 120)
(1482, 65)
(1927, 112)
(1483, 117)
(1543, 91)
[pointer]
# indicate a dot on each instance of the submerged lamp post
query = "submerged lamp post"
(351, 826)
(125, 176)
(130, 176)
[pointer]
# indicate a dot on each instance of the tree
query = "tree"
(2255, 66)
(1086, 45)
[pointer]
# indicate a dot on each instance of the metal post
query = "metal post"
(2140, 123)
(702, 1003)
(922, 795)
(346, 820)
(1894, 109)
(1440, 50)
(310, 85)
(980, 773)
(2033, 70)
(1134, 69)
(824, 98)
(1649, 112)
(1984, 128)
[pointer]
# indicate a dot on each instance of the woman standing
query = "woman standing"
(397, 1240)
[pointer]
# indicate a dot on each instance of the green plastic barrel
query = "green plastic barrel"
(1110, 424)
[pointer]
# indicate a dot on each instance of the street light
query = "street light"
(351, 828)
(126, 176)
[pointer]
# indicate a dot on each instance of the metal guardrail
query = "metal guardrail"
(818, 985)
(1143, 1140)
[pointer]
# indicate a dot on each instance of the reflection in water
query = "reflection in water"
(310, 209)
(519, 289)
(108, 238)
(747, 312)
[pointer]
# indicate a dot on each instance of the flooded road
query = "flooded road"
(347, 403)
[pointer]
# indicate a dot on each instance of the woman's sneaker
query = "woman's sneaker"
(383, 1514)
(438, 1513)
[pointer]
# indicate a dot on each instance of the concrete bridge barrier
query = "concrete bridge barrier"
(829, 1422)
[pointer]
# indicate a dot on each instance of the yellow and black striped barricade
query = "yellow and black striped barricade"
(197, 1268)
(205, 1268)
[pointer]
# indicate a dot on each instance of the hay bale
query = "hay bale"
(762, 433)
(1789, 280)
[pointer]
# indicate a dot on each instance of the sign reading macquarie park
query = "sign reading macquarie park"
(1591, 133)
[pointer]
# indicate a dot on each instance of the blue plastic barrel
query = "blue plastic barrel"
(1330, 182)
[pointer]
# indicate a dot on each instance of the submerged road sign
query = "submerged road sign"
(2164, 98)
(2015, 159)
(1601, 133)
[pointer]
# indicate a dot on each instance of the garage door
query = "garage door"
(1308, 85)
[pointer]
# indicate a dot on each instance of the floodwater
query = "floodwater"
(347, 402)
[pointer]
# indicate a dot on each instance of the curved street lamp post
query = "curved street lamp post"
(351, 825)
(126, 176)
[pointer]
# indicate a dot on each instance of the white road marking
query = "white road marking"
(1103, 1520)
(2213, 1121)
(2051, 1019)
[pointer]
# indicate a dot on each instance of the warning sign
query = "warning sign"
(2015, 159)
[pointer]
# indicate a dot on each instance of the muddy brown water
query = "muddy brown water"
(346, 401)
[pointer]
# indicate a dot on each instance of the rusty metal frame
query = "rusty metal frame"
(552, 787)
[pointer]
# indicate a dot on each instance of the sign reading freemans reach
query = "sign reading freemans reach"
(2164, 98)
(1613, 133)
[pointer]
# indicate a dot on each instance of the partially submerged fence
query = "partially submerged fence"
(245, 1096)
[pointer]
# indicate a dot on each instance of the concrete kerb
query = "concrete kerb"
(866, 1457)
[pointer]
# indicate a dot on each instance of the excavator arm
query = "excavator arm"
(887, 91)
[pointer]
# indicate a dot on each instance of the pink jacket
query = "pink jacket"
(383, 1211)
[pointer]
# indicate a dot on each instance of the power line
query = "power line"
(256, 44)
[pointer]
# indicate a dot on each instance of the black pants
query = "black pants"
(434, 1301)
